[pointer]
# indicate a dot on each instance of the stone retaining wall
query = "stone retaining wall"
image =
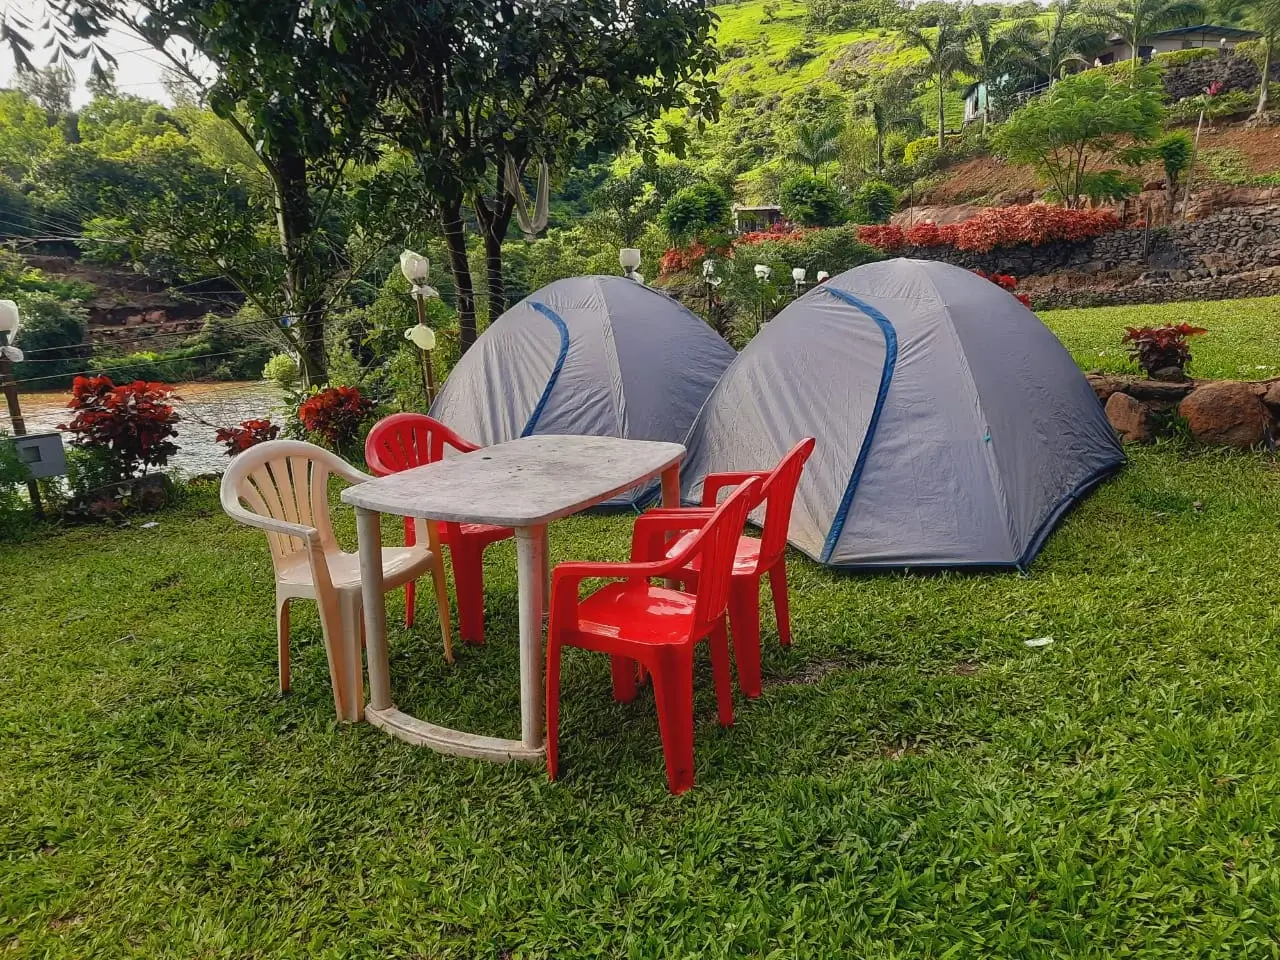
(1231, 413)
(1230, 254)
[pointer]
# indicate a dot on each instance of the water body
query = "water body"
(204, 407)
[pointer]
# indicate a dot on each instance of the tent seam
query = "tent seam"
(556, 319)
(993, 462)
(611, 345)
(886, 377)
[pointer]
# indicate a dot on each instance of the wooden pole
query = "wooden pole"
(10, 387)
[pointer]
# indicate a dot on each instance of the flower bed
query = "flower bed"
(1032, 224)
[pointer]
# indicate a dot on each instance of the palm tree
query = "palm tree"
(1135, 20)
(946, 54)
(1067, 38)
(816, 144)
(997, 55)
(1265, 18)
(887, 104)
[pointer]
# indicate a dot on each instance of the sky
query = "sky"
(138, 67)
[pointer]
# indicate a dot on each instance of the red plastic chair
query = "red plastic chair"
(405, 440)
(754, 559)
(636, 622)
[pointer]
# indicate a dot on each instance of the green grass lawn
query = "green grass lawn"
(1243, 342)
(914, 782)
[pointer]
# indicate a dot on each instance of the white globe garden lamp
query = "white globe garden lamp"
(416, 269)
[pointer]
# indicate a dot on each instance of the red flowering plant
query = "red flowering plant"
(1162, 352)
(248, 434)
(887, 237)
(334, 415)
(133, 424)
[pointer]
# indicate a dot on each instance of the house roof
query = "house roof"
(1231, 33)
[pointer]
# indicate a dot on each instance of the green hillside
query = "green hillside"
(777, 73)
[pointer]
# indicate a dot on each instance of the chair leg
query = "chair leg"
(625, 671)
(781, 602)
(282, 641)
(673, 690)
(349, 650)
(553, 707)
(410, 588)
(442, 603)
(468, 580)
(719, 643)
(744, 618)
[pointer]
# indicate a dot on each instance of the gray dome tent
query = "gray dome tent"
(591, 356)
(953, 428)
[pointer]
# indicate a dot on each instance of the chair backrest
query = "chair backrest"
(405, 440)
(287, 481)
(716, 545)
(778, 495)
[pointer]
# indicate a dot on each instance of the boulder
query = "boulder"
(1131, 418)
(1226, 413)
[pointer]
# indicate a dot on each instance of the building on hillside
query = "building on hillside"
(746, 219)
(1117, 50)
(1180, 38)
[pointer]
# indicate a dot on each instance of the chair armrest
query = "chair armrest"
(566, 578)
(648, 535)
(347, 472)
(269, 524)
(715, 482)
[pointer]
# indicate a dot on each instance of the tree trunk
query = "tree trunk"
(456, 241)
(942, 115)
(303, 297)
(1191, 167)
(1262, 87)
(494, 222)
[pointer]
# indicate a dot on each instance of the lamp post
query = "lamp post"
(416, 268)
(629, 260)
(762, 277)
(823, 276)
(797, 277)
(10, 320)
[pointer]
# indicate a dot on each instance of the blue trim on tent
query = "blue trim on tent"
(1070, 500)
(886, 377)
(555, 318)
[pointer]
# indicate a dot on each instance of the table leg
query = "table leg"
(369, 531)
(531, 561)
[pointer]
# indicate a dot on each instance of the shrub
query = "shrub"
(874, 202)
(695, 212)
(15, 515)
(811, 202)
(335, 415)
(1162, 352)
(282, 369)
(922, 155)
(1033, 224)
(52, 331)
(134, 423)
(887, 238)
(248, 434)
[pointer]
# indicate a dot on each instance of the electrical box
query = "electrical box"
(42, 453)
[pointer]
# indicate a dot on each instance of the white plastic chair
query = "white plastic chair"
(285, 486)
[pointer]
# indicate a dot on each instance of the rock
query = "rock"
(1226, 413)
(1131, 418)
(1103, 385)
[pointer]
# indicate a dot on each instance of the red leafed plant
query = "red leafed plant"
(133, 422)
(1162, 352)
(777, 234)
(1008, 282)
(335, 415)
(250, 433)
(1032, 224)
(678, 259)
(887, 237)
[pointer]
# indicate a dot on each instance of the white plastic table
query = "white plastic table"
(524, 484)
